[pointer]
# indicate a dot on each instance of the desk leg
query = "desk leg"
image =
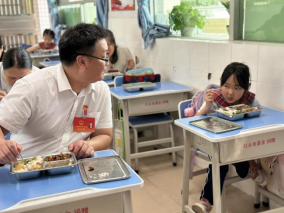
(186, 163)
(127, 202)
(126, 131)
(114, 102)
(216, 178)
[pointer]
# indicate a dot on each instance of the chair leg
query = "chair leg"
(223, 207)
(256, 197)
(173, 143)
(265, 201)
(135, 134)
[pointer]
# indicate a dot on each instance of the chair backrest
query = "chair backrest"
(118, 81)
(181, 106)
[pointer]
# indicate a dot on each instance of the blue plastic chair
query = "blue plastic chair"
(136, 122)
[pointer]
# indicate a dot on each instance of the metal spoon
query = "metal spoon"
(23, 161)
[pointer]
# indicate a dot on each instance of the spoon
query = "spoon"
(23, 161)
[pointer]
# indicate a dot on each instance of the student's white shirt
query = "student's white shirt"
(123, 56)
(3, 83)
(40, 109)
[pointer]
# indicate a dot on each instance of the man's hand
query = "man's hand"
(2, 95)
(81, 149)
(9, 151)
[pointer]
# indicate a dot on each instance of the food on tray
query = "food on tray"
(238, 109)
(90, 168)
(60, 156)
(34, 163)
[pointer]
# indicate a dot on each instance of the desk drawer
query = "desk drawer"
(154, 104)
(200, 143)
(252, 147)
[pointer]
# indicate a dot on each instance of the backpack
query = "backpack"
(198, 100)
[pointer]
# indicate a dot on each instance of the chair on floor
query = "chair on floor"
(153, 120)
(229, 180)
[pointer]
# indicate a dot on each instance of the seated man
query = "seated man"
(50, 110)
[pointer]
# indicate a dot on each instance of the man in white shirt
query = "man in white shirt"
(51, 110)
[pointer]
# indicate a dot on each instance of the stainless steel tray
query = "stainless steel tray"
(113, 74)
(135, 87)
(55, 167)
(216, 125)
(238, 112)
(104, 169)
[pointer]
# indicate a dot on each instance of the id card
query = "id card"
(82, 124)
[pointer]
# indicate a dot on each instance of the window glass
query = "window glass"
(263, 20)
(74, 13)
(216, 16)
(70, 14)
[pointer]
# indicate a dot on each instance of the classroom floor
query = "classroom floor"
(162, 189)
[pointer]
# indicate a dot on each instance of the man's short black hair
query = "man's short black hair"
(80, 38)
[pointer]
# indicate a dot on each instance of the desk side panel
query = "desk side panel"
(154, 104)
(252, 147)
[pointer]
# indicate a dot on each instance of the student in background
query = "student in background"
(47, 44)
(16, 64)
(120, 58)
(235, 83)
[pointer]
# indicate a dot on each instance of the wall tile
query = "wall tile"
(198, 56)
(197, 80)
(270, 95)
(181, 54)
(165, 51)
(246, 54)
(167, 72)
(219, 57)
(271, 65)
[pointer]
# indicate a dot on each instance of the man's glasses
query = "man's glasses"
(103, 59)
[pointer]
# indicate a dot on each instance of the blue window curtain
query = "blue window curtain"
(55, 20)
(150, 31)
(102, 13)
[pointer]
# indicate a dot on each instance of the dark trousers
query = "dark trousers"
(242, 169)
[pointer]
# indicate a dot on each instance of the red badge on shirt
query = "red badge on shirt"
(82, 124)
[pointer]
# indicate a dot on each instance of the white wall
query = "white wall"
(189, 61)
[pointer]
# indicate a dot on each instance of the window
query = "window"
(72, 12)
(216, 16)
(263, 20)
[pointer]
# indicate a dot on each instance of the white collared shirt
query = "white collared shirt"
(40, 109)
(3, 83)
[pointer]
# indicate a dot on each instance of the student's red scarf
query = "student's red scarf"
(247, 98)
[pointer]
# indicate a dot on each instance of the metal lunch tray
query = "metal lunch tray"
(113, 74)
(135, 87)
(52, 167)
(245, 112)
(105, 169)
(216, 125)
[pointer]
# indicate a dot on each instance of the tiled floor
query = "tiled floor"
(162, 189)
